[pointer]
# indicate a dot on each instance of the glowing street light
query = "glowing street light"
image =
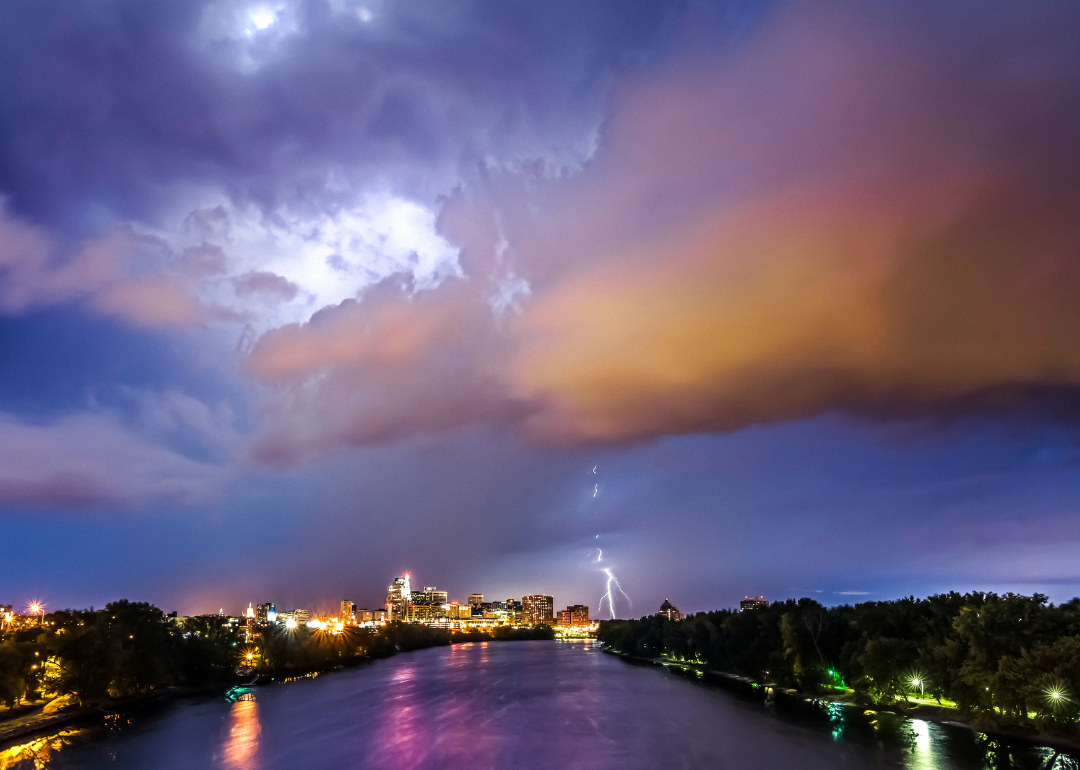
(37, 608)
(1056, 697)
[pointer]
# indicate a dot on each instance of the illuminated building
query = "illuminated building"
(380, 616)
(456, 611)
(752, 603)
(669, 611)
(428, 605)
(364, 616)
(248, 624)
(537, 609)
(574, 615)
(399, 599)
(475, 600)
(263, 613)
(347, 610)
(301, 616)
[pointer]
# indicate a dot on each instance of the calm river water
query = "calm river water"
(512, 705)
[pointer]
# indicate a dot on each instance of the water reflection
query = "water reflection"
(36, 753)
(529, 706)
(241, 751)
(922, 755)
(400, 741)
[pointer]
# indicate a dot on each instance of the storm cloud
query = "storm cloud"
(298, 293)
(832, 216)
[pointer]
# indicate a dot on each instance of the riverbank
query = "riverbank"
(788, 699)
(37, 722)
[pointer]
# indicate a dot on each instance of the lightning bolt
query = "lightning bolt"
(599, 553)
(594, 470)
(609, 596)
(595, 489)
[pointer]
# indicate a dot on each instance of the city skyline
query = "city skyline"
(698, 300)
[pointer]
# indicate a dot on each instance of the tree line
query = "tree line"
(1003, 660)
(129, 649)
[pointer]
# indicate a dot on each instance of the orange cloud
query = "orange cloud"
(835, 216)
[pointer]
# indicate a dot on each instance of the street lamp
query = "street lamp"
(37, 608)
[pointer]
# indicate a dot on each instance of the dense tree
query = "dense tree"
(128, 649)
(1003, 659)
(17, 670)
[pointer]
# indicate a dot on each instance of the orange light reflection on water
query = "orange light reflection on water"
(242, 743)
(38, 751)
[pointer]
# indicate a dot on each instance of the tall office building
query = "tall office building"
(399, 599)
(537, 609)
(346, 611)
(475, 600)
(574, 615)
(428, 605)
(265, 612)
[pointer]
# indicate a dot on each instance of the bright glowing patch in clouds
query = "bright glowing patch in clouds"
(247, 35)
(262, 18)
(318, 259)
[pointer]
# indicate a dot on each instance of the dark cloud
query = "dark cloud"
(106, 109)
(708, 220)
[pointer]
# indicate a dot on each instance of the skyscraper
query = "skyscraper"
(346, 611)
(537, 609)
(399, 599)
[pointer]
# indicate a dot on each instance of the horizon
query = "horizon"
(330, 608)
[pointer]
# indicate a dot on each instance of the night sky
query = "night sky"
(298, 296)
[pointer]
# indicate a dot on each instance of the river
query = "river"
(512, 705)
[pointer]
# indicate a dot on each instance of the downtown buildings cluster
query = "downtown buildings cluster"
(432, 607)
(428, 606)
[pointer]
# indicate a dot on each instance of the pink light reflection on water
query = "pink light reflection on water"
(417, 731)
(466, 738)
(400, 740)
(241, 749)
